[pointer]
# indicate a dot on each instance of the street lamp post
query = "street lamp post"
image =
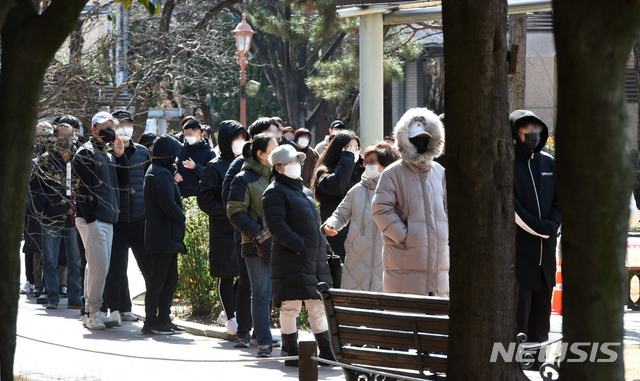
(243, 33)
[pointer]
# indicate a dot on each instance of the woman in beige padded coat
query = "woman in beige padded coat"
(410, 208)
(363, 262)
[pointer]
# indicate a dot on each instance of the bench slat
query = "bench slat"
(396, 302)
(392, 339)
(391, 359)
(392, 320)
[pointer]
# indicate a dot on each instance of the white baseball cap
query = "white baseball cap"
(417, 128)
(102, 117)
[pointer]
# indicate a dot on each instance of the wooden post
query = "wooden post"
(307, 368)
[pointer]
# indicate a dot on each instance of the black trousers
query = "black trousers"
(161, 287)
(243, 296)
(534, 312)
(28, 268)
(116, 290)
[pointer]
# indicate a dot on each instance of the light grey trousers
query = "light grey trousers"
(97, 238)
(290, 310)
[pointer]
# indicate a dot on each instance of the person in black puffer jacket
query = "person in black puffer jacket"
(163, 235)
(128, 232)
(223, 252)
(298, 253)
(338, 170)
(538, 220)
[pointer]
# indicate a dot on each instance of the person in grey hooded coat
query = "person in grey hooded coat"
(410, 208)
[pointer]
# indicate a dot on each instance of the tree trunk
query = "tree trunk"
(479, 179)
(25, 57)
(593, 41)
(516, 81)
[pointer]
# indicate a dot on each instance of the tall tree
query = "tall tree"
(593, 42)
(31, 33)
(479, 178)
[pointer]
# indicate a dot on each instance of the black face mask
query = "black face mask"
(107, 135)
(531, 141)
(421, 143)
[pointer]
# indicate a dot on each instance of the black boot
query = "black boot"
(324, 343)
(290, 348)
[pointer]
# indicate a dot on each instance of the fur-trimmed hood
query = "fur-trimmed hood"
(432, 125)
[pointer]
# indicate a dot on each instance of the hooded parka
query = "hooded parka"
(222, 262)
(410, 208)
(536, 208)
(165, 219)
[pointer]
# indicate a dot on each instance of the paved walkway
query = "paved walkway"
(53, 345)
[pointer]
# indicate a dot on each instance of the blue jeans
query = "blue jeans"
(260, 278)
(51, 238)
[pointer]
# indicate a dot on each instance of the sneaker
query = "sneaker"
(177, 329)
(75, 306)
(254, 340)
(27, 289)
(275, 341)
(63, 291)
(38, 291)
(222, 318)
(42, 299)
(232, 326)
(113, 320)
(93, 321)
(128, 316)
(265, 351)
(242, 342)
(162, 329)
(146, 329)
(52, 305)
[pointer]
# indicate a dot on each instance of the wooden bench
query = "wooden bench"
(380, 333)
(633, 271)
(398, 336)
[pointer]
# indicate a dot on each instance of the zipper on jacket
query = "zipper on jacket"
(535, 191)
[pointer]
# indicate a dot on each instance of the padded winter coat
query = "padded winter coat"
(410, 208)
(222, 260)
(363, 264)
(299, 250)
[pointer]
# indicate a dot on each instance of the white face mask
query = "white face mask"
(303, 142)
(372, 171)
(356, 156)
(293, 170)
(191, 140)
(125, 133)
(237, 146)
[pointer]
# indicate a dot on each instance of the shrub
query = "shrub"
(195, 285)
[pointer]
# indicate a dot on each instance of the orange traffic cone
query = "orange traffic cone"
(556, 300)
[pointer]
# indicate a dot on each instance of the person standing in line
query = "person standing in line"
(302, 139)
(337, 171)
(194, 155)
(363, 263)
(99, 175)
(128, 232)
(410, 208)
(244, 210)
(163, 236)
(537, 217)
(334, 129)
(298, 254)
(51, 192)
(223, 252)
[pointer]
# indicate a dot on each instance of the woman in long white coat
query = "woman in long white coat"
(363, 262)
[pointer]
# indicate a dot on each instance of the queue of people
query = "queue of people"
(278, 210)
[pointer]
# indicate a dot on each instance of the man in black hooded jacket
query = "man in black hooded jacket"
(538, 220)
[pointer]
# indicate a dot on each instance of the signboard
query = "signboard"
(253, 88)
